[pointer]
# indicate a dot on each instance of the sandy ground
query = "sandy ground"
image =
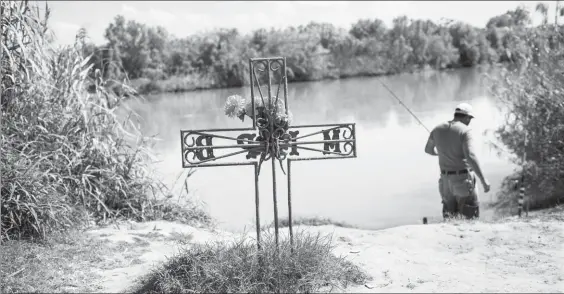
(153, 242)
(508, 256)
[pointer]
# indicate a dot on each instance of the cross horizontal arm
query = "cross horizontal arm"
(186, 134)
(221, 164)
(347, 127)
(200, 144)
(346, 153)
(339, 140)
(323, 125)
(319, 158)
(195, 155)
(289, 144)
(204, 131)
(258, 144)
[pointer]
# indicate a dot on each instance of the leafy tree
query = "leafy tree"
(467, 40)
(441, 52)
(542, 8)
(399, 54)
(138, 48)
(366, 28)
(512, 18)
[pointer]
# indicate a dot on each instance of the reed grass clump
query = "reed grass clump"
(69, 155)
(240, 267)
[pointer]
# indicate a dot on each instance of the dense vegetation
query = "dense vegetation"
(68, 155)
(156, 61)
(532, 95)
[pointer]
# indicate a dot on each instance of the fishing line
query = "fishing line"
(405, 106)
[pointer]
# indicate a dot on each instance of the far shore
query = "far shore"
(182, 84)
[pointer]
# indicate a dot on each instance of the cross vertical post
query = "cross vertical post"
(271, 137)
(271, 125)
(290, 230)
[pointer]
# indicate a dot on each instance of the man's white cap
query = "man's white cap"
(464, 108)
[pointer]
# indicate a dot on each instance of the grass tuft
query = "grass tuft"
(63, 263)
(240, 267)
(311, 221)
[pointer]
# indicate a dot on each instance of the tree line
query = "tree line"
(155, 61)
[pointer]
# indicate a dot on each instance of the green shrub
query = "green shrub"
(532, 96)
(241, 268)
(69, 155)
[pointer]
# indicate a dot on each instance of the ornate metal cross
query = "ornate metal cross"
(269, 138)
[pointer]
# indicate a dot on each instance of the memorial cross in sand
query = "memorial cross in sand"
(271, 137)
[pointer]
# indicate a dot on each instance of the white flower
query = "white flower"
(234, 106)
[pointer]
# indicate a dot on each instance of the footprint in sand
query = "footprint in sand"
(344, 239)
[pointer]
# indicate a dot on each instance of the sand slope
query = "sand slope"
(509, 256)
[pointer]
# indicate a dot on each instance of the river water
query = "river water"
(391, 182)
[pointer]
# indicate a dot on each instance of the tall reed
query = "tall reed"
(69, 155)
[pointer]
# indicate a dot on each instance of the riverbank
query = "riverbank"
(509, 255)
(182, 84)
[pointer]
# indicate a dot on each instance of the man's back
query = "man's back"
(450, 138)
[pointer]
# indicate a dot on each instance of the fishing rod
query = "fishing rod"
(405, 106)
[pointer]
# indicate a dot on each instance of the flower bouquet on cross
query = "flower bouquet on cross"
(237, 106)
(269, 113)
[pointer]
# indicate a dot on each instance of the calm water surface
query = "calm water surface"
(391, 182)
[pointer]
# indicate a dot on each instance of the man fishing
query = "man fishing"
(458, 164)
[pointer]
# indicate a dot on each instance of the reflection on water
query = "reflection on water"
(392, 181)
